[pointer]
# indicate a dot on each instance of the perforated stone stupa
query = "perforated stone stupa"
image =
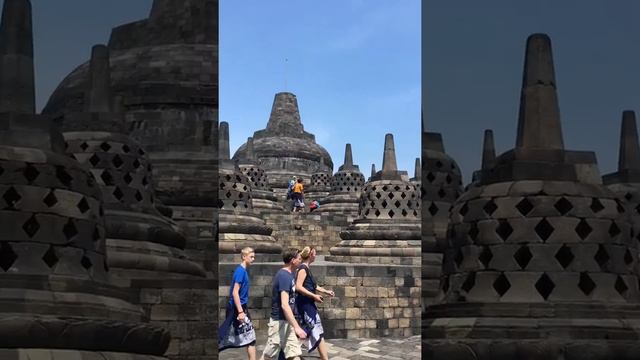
(57, 299)
(284, 149)
(540, 263)
(387, 230)
(263, 198)
(626, 181)
(346, 186)
(239, 225)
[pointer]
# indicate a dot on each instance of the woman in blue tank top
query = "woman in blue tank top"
(306, 288)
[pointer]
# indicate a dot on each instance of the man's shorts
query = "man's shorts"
(282, 336)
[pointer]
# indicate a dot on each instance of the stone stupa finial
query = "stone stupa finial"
(348, 157)
(373, 169)
(434, 142)
(488, 150)
(417, 170)
(17, 84)
(98, 96)
(539, 117)
(389, 158)
(629, 156)
(250, 154)
(285, 115)
(224, 141)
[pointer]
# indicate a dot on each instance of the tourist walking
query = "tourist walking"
(283, 330)
(298, 196)
(237, 330)
(309, 317)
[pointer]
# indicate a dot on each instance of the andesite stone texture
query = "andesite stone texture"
(540, 263)
(55, 290)
(284, 148)
(263, 197)
(239, 225)
(387, 230)
(346, 186)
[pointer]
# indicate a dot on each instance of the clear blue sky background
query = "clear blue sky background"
(473, 58)
(65, 30)
(354, 66)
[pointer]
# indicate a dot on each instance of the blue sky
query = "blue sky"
(354, 66)
(473, 57)
(64, 32)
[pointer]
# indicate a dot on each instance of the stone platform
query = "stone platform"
(406, 348)
(371, 300)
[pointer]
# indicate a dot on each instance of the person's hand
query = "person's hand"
(317, 298)
(300, 333)
(241, 317)
(331, 293)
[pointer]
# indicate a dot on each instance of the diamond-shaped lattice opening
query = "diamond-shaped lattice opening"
(563, 206)
(628, 196)
(136, 164)
(459, 257)
(583, 229)
(391, 213)
(448, 179)
(7, 256)
(439, 164)
(127, 178)
(403, 195)
(545, 286)
(431, 177)
(11, 197)
(433, 209)
(118, 193)
(86, 262)
(602, 256)
(138, 196)
(30, 173)
(397, 204)
(490, 207)
(378, 195)
(586, 284)
(485, 256)
(63, 176)
(1, 170)
(544, 229)
(107, 178)
(619, 206)
(404, 212)
(504, 230)
(501, 285)
(83, 205)
(105, 146)
(474, 231)
(628, 258)
(50, 258)
(117, 161)
(621, 286)
(385, 188)
(524, 206)
(596, 206)
(464, 209)
(31, 226)
(70, 230)
(565, 256)
(234, 204)
(614, 230)
(384, 204)
(94, 160)
(377, 212)
(51, 199)
(469, 282)
(390, 194)
(126, 148)
(84, 146)
(442, 193)
(523, 256)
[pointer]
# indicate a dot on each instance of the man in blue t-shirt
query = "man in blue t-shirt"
(283, 329)
(242, 332)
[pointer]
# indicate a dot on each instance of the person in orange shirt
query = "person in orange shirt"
(298, 196)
